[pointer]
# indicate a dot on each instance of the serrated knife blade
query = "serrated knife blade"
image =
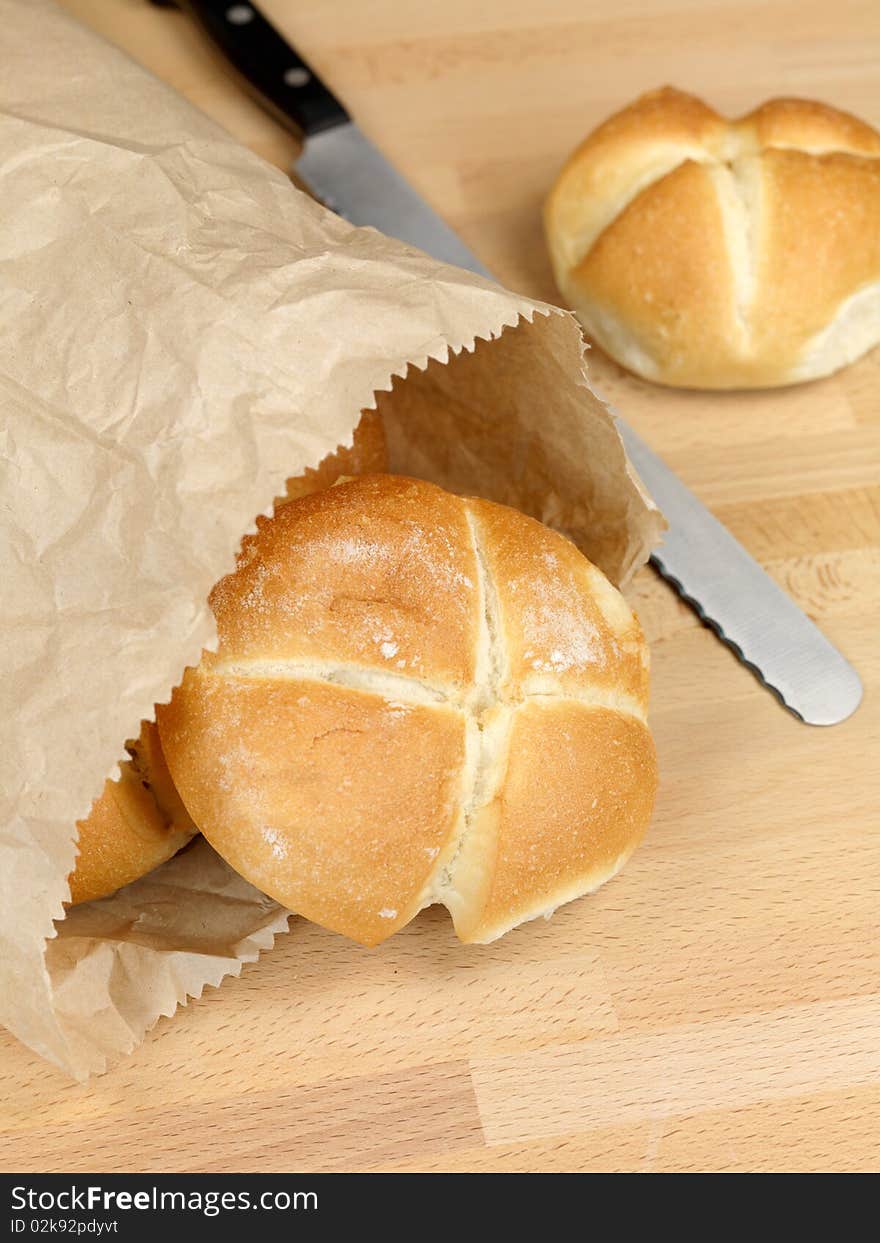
(711, 570)
(739, 600)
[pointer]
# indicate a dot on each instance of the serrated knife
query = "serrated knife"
(701, 559)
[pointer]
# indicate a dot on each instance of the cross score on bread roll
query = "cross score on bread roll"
(710, 253)
(138, 821)
(417, 698)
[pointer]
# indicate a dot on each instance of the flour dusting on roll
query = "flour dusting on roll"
(416, 698)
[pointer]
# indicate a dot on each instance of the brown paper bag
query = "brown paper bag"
(182, 330)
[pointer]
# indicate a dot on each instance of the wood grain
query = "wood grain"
(717, 1006)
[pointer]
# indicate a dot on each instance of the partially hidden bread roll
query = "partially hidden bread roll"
(137, 823)
(367, 455)
(139, 820)
(710, 253)
(416, 699)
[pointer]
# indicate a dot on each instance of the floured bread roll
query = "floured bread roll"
(416, 698)
(137, 823)
(722, 254)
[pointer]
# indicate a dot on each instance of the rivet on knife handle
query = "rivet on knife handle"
(268, 66)
(742, 604)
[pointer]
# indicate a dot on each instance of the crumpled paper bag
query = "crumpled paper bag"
(182, 330)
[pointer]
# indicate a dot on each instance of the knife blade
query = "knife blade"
(741, 603)
(710, 570)
(352, 177)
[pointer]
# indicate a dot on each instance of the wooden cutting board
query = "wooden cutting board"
(717, 1006)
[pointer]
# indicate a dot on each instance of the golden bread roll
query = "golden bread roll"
(710, 253)
(416, 699)
(367, 455)
(137, 823)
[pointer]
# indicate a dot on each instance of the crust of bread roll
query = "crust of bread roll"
(416, 698)
(136, 823)
(708, 253)
(367, 455)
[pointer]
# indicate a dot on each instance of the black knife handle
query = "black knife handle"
(272, 71)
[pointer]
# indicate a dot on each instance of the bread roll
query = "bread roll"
(137, 823)
(367, 455)
(416, 698)
(722, 254)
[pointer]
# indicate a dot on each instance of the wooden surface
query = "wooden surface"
(717, 1006)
